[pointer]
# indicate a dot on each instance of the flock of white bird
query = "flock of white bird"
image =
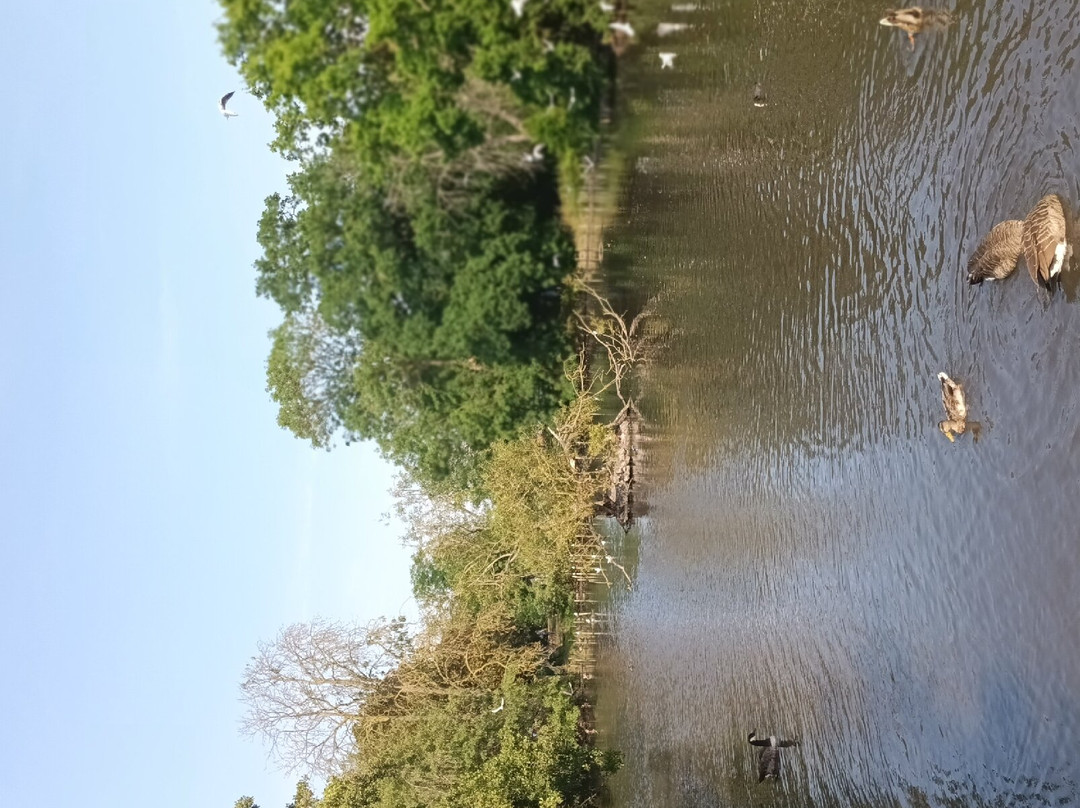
(620, 27)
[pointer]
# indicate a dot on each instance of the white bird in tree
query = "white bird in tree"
(669, 28)
(518, 6)
(607, 8)
(228, 113)
(667, 59)
(502, 703)
(536, 155)
(622, 28)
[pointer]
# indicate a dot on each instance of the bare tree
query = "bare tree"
(305, 689)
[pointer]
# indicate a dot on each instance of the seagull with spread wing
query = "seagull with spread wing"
(228, 113)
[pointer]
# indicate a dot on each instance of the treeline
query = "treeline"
(418, 255)
(424, 274)
(478, 708)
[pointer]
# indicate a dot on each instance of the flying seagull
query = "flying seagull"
(622, 28)
(667, 60)
(228, 113)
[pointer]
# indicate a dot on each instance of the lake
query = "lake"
(817, 561)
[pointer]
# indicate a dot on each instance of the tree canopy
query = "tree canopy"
(418, 254)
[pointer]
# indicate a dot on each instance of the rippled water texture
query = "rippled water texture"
(818, 561)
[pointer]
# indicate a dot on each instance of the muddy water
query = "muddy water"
(818, 561)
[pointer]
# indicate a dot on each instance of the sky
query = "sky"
(157, 523)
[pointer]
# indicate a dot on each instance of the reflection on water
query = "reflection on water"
(818, 561)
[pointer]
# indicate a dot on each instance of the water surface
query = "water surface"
(818, 561)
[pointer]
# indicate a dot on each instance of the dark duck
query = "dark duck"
(769, 757)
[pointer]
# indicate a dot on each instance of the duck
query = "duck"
(952, 396)
(769, 757)
(997, 255)
(914, 19)
(1046, 246)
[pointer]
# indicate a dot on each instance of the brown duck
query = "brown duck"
(956, 411)
(914, 19)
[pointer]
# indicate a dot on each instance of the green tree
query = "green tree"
(308, 375)
(245, 802)
(304, 796)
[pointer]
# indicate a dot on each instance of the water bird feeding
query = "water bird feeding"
(769, 757)
(667, 59)
(997, 255)
(228, 113)
(915, 19)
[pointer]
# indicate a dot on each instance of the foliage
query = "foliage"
(304, 796)
(307, 374)
(459, 754)
(421, 269)
(432, 332)
(416, 255)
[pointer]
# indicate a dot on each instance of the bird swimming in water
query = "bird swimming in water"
(769, 757)
(956, 411)
(914, 19)
(997, 255)
(759, 95)
(1046, 248)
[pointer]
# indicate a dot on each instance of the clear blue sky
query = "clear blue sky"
(156, 521)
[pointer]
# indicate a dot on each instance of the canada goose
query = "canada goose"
(996, 257)
(952, 396)
(1045, 246)
(769, 757)
(914, 19)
